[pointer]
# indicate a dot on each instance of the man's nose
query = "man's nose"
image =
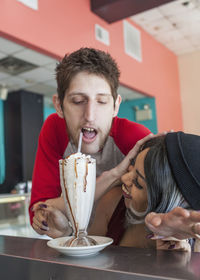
(89, 113)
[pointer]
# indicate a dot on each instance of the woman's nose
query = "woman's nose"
(131, 167)
(126, 179)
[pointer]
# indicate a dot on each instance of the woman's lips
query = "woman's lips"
(126, 193)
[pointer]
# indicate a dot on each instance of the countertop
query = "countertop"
(31, 258)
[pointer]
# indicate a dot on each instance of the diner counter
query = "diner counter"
(29, 258)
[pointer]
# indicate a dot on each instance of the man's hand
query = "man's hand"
(121, 168)
(179, 223)
(50, 220)
(111, 178)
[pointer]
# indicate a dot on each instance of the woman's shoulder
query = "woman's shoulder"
(110, 201)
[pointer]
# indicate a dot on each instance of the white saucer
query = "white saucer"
(57, 244)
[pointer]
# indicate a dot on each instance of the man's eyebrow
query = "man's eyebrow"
(141, 176)
(76, 93)
(104, 94)
(85, 94)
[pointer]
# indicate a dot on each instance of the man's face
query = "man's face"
(88, 106)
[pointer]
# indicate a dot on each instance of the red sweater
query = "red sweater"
(53, 143)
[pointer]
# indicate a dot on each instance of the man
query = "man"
(87, 101)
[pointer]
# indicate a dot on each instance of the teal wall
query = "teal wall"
(48, 110)
(2, 150)
(127, 111)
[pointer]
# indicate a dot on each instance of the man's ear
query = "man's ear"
(57, 105)
(117, 104)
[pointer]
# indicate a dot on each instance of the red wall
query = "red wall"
(63, 26)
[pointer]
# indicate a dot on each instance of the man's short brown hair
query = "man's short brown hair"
(88, 60)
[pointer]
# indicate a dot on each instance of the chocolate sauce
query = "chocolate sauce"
(75, 169)
(67, 197)
(85, 177)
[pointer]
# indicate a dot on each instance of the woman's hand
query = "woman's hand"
(173, 244)
(50, 220)
(179, 223)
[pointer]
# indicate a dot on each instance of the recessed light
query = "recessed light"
(14, 66)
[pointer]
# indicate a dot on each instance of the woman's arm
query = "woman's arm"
(104, 210)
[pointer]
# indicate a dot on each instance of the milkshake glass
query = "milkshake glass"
(78, 180)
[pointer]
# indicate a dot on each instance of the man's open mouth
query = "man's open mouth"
(89, 133)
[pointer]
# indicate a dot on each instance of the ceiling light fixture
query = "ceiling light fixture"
(14, 66)
(192, 4)
(3, 92)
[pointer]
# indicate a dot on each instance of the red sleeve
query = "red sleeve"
(52, 143)
(126, 133)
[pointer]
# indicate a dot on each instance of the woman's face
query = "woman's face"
(134, 185)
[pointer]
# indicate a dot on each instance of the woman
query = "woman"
(163, 175)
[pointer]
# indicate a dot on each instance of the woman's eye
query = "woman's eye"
(132, 161)
(135, 182)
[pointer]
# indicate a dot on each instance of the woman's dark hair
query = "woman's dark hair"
(162, 191)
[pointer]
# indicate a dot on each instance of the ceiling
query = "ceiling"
(40, 79)
(175, 24)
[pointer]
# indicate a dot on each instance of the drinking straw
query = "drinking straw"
(80, 142)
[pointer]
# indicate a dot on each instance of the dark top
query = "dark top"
(116, 226)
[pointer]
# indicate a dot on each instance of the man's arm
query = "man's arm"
(51, 145)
